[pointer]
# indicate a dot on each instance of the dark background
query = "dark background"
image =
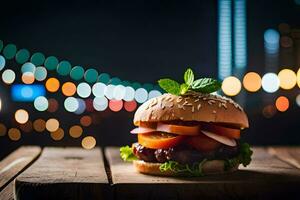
(142, 41)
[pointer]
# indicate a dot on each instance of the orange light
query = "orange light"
(252, 82)
(88, 142)
(58, 134)
(39, 125)
(52, 84)
(21, 116)
(14, 134)
(282, 103)
(52, 125)
(3, 129)
(68, 89)
(28, 78)
(75, 131)
(115, 105)
(86, 121)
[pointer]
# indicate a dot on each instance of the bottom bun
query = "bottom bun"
(209, 167)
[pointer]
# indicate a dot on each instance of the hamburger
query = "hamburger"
(190, 132)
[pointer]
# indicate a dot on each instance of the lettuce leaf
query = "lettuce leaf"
(127, 154)
(244, 157)
(181, 169)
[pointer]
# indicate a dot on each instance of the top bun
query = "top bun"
(192, 106)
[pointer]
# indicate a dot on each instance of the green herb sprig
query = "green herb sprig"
(203, 85)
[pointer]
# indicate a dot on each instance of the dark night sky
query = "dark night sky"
(141, 41)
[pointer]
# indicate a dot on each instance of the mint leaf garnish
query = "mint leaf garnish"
(189, 77)
(203, 85)
(127, 154)
(170, 86)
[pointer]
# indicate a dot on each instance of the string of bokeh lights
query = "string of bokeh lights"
(87, 90)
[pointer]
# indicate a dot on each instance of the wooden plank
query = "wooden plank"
(267, 177)
(8, 192)
(13, 165)
(290, 155)
(64, 173)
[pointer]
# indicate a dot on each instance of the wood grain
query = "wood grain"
(290, 155)
(267, 177)
(64, 173)
(13, 165)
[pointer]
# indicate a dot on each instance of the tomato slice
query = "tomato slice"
(203, 143)
(221, 130)
(159, 140)
(141, 130)
(178, 129)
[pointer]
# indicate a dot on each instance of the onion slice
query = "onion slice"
(220, 138)
(141, 130)
(178, 129)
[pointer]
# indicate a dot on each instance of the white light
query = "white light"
(270, 82)
(71, 104)
(129, 93)
(109, 91)
(8, 76)
(298, 100)
(28, 67)
(84, 90)
(41, 103)
(100, 103)
(2, 62)
(40, 73)
(119, 92)
(154, 93)
(98, 89)
(0, 104)
(141, 95)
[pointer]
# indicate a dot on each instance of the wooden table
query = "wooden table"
(74, 173)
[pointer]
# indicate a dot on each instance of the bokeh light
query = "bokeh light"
(77, 73)
(21, 116)
(89, 142)
(40, 73)
(68, 89)
(63, 68)
(154, 93)
(98, 89)
(28, 67)
(252, 81)
(37, 58)
(3, 129)
(28, 77)
(75, 131)
(100, 103)
(129, 93)
(269, 111)
(22, 56)
(282, 103)
(231, 86)
(86, 120)
(53, 105)
(71, 104)
(287, 79)
(119, 92)
(51, 63)
(130, 106)
(109, 91)
(104, 78)
(84, 90)
(9, 51)
(58, 134)
(8, 76)
(91, 75)
(270, 82)
(115, 105)
(81, 106)
(298, 100)
(27, 127)
(52, 84)
(14, 134)
(41, 103)
(2, 62)
(141, 95)
(52, 124)
(39, 125)
(298, 77)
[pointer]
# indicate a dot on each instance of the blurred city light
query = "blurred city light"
(270, 82)
(287, 78)
(231, 86)
(252, 81)
(21, 116)
(282, 103)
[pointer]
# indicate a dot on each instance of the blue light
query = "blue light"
(26, 93)
(224, 39)
(271, 41)
(240, 37)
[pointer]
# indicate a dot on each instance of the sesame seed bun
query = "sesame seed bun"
(192, 107)
(208, 168)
